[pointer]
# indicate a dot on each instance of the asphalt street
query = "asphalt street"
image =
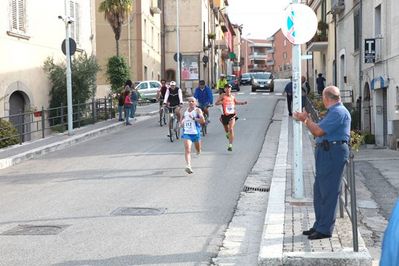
(123, 198)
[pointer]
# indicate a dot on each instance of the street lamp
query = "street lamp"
(68, 21)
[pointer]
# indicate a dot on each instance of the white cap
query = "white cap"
(172, 83)
(222, 75)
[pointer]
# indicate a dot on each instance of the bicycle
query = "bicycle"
(204, 127)
(174, 127)
(162, 116)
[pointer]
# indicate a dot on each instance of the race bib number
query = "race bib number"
(230, 109)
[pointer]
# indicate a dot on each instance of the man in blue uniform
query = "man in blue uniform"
(332, 151)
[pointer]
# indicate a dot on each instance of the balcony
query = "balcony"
(270, 62)
(258, 56)
(318, 43)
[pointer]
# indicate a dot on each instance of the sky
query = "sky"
(260, 18)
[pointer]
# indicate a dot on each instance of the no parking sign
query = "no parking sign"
(299, 24)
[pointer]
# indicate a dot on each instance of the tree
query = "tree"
(117, 72)
(116, 12)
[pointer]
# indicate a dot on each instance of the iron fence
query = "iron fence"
(38, 124)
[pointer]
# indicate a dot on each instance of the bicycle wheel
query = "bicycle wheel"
(161, 117)
(177, 130)
(171, 129)
(164, 117)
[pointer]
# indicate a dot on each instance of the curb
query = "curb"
(62, 144)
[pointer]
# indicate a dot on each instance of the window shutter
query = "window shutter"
(14, 15)
(21, 15)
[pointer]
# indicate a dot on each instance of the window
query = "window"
(18, 16)
(377, 21)
(152, 37)
(145, 73)
(356, 29)
(285, 55)
(145, 31)
(74, 13)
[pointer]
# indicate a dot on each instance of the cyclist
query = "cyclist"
(222, 82)
(204, 96)
(161, 93)
(229, 115)
(192, 118)
(174, 98)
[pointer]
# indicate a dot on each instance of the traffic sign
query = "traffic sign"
(299, 24)
(72, 46)
(369, 51)
(180, 57)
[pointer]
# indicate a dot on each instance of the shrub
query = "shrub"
(84, 72)
(117, 72)
(356, 140)
(8, 134)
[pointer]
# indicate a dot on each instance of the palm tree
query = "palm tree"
(116, 12)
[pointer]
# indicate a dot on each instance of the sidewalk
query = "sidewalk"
(20, 152)
(286, 217)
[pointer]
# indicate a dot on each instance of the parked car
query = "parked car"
(246, 79)
(148, 89)
(233, 81)
(262, 80)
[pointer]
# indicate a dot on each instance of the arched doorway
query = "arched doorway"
(170, 75)
(366, 108)
(16, 113)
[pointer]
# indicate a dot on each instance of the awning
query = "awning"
(378, 83)
(317, 47)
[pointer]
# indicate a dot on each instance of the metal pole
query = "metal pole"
(297, 93)
(177, 44)
(68, 69)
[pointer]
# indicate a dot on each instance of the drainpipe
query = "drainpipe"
(163, 58)
(360, 55)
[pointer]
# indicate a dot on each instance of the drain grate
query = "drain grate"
(28, 229)
(134, 211)
(261, 189)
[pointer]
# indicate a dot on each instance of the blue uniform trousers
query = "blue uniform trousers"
(329, 168)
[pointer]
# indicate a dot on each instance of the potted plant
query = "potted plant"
(211, 36)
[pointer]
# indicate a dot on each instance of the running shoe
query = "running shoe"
(230, 147)
(189, 170)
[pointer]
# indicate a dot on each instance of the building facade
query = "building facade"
(139, 44)
(28, 36)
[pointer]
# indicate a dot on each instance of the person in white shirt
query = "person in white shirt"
(191, 123)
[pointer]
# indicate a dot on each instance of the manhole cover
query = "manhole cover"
(28, 229)
(261, 189)
(134, 211)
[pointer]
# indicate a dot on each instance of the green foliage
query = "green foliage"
(84, 71)
(117, 72)
(8, 134)
(116, 12)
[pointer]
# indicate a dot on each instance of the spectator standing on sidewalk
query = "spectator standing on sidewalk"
(332, 152)
(320, 83)
(128, 106)
(134, 96)
(121, 103)
(288, 93)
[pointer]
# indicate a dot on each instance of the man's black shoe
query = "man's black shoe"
(316, 235)
(308, 232)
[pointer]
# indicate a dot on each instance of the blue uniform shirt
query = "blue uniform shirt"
(336, 124)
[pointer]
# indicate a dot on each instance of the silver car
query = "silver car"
(148, 89)
(263, 81)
